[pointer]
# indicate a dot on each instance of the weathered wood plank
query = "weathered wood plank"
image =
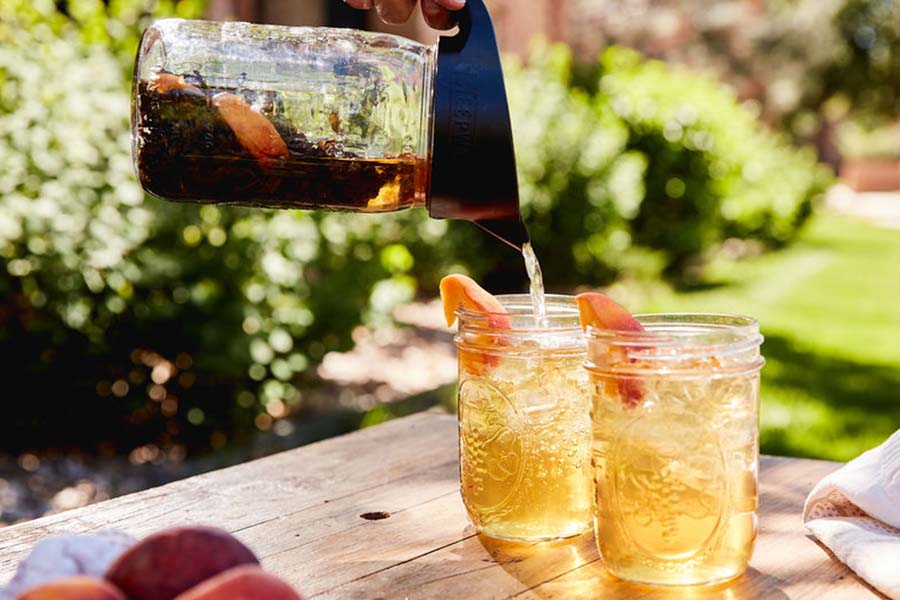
(252, 493)
(300, 511)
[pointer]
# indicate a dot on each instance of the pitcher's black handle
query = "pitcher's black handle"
(464, 25)
(473, 172)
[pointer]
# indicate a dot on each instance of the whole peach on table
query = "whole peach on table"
(170, 562)
(247, 582)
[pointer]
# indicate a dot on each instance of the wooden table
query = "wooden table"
(303, 512)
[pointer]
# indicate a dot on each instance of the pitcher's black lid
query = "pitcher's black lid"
(473, 173)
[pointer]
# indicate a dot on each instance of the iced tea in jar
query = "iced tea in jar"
(675, 447)
(524, 424)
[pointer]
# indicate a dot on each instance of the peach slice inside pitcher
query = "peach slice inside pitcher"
(459, 291)
(253, 130)
(600, 311)
(164, 83)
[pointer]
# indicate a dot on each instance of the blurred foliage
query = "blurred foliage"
(126, 320)
(848, 50)
(712, 168)
(798, 58)
(655, 170)
(113, 24)
(579, 186)
(859, 142)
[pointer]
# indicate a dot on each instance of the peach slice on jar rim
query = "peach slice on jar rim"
(602, 312)
(461, 292)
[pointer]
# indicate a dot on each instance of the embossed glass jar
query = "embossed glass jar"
(675, 447)
(524, 424)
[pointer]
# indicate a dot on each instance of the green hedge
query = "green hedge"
(713, 169)
(653, 170)
(129, 320)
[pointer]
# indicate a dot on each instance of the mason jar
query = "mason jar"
(676, 447)
(524, 425)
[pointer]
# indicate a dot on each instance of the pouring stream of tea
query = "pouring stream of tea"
(536, 287)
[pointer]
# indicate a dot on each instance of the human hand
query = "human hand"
(438, 13)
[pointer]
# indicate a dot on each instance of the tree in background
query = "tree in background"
(804, 62)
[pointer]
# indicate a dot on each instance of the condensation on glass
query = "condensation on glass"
(524, 424)
(675, 447)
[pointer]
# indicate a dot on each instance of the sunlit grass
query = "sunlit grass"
(829, 307)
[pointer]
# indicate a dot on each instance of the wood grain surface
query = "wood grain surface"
(300, 512)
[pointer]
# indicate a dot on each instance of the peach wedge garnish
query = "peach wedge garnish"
(459, 291)
(602, 312)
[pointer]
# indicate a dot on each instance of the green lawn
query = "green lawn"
(829, 306)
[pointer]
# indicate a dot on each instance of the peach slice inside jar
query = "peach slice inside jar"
(163, 83)
(253, 130)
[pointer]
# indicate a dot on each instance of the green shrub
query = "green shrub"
(713, 170)
(652, 172)
(579, 184)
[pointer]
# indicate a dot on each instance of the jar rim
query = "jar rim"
(562, 314)
(560, 334)
(675, 341)
(683, 330)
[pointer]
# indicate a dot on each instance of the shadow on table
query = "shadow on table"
(573, 569)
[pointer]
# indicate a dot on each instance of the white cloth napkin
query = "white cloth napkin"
(855, 512)
(65, 555)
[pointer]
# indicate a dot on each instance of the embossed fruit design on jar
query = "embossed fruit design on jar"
(524, 425)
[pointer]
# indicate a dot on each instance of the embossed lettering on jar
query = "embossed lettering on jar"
(524, 421)
(675, 447)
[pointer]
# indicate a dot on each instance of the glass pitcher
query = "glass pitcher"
(322, 118)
